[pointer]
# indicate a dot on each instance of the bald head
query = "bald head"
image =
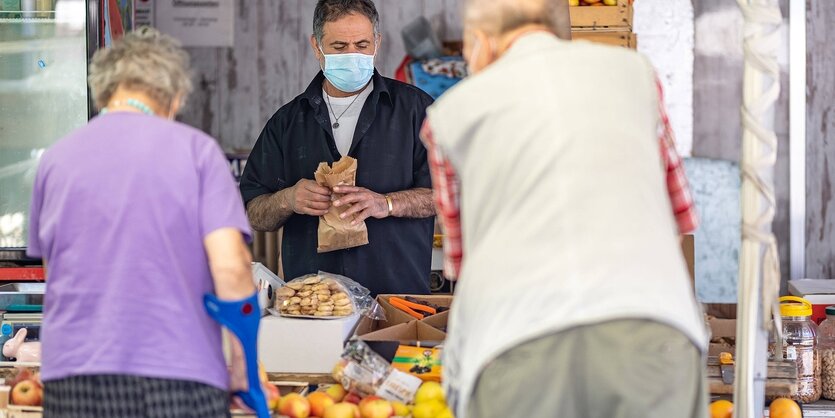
(497, 17)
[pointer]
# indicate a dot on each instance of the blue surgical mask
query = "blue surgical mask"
(348, 72)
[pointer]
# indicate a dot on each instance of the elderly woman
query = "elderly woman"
(138, 217)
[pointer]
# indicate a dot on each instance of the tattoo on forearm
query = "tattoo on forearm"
(269, 212)
(414, 203)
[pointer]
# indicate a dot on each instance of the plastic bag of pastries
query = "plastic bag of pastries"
(322, 295)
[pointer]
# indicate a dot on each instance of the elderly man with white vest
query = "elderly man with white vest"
(562, 199)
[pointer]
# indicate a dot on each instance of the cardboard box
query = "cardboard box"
(296, 345)
(439, 321)
(623, 38)
(395, 316)
(619, 16)
(409, 334)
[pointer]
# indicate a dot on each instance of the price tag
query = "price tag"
(399, 386)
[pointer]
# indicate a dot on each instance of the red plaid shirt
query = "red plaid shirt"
(446, 189)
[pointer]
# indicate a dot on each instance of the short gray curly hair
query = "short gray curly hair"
(144, 60)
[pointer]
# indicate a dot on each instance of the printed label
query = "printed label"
(791, 353)
(399, 386)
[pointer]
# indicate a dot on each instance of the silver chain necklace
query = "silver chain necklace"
(328, 97)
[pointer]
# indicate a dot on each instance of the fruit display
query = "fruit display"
(316, 296)
(429, 402)
(27, 389)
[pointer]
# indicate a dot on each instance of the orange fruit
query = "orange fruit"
(722, 409)
(784, 408)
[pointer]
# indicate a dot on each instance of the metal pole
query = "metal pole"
(759, 272)
(797, 136)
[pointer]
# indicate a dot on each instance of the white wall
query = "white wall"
(665, 35)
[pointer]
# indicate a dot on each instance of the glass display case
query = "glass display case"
(44, 49)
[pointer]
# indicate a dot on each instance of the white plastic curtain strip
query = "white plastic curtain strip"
(759, 280)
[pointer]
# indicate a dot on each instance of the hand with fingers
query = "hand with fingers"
(363, 203)
(309, 198)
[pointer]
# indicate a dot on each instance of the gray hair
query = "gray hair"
(144, 60)
(498, 17)
(331, 10)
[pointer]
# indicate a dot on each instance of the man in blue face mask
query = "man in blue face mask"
(348, 109)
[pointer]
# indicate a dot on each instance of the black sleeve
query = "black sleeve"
(420, 175)
(264, 171)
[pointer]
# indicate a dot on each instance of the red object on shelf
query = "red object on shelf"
(401, 74)
(22, 274)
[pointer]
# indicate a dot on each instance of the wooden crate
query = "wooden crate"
(619, 16)
(622, 38)
(15, 411)
(781, 378)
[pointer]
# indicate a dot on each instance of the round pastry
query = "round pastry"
(306, 302)
(312, 280)
(342, 302)
(295, 300)
(304, 293)
(320, 286)
(285, 292)
(295, 285)
(324, 308)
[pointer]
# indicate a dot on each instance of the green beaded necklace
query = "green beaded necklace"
(132, 103)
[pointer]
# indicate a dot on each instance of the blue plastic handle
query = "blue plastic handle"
(242, 318)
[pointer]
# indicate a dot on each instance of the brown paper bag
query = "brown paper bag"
(336, 233)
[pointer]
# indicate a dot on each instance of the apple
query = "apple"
(368, 399)
(376, 408)
(342, 410)
(22, 374)
(273, 396)
(401, 409)
(319, 401)
(337, 392)
(353, 398)
(27, 392)
(294, 406)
